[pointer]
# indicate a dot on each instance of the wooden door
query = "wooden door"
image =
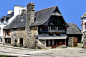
(75, 41)
(21, 41)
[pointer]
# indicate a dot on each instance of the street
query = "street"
(56, 52)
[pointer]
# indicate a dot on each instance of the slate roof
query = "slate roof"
(3, 17)
(73, 29)
(7, 16)
(83, 16)
(47, 35)
(41, 17)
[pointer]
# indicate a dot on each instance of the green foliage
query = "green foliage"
(7, 56)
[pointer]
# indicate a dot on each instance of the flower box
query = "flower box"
(50, 33)
(57, 32)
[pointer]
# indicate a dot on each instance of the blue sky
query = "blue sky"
(72, 10)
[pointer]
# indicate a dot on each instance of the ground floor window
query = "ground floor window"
(0, 39)
(7, 40)
(55, 42)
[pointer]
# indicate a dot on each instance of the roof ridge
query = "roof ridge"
(45, 8)
(71, 23)
(83, 15)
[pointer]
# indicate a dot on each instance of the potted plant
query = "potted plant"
(58, 32)
(50, 32)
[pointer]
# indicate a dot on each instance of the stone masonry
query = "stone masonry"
(28, 33)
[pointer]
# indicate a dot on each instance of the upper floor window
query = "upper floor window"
(60, 28)
(55, 20)
(14, 32)
(7, 32)
(85, 26)
(49, 28)
(57, 29)
(52, 29)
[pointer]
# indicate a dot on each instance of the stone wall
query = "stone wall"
(20, 33)
(28, 39)
(70, 41)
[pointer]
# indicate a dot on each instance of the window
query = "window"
(60, 28)
(7, 40)
(85, 26)
(52, 42)
(57, 29)
(14, 32)
(15, 40)
(7, 32)
(49, 28)
(53, 28)
(1, 39)
(0, 30)
(40, 29)
(49, 42)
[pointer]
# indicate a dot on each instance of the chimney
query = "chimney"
(30, 12)
(18, 9)
(23, 12)
(30, 15)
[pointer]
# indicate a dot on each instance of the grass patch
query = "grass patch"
(7, 56)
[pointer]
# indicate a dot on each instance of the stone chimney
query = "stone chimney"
(30, 15)
(23, 12)
(30, 12)
(29, 20)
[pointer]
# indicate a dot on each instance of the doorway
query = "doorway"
(21, 41)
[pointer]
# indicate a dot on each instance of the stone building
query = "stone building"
(6, 20)
(74, 34)
(43, 28)
(83, 27)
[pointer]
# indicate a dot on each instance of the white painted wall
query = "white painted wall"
(41, 43)
(83, 21)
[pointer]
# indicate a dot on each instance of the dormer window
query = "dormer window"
(2, 20)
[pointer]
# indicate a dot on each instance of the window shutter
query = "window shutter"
(66, 28)
(5, 32)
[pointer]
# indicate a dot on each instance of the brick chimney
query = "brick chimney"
(30, 15)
